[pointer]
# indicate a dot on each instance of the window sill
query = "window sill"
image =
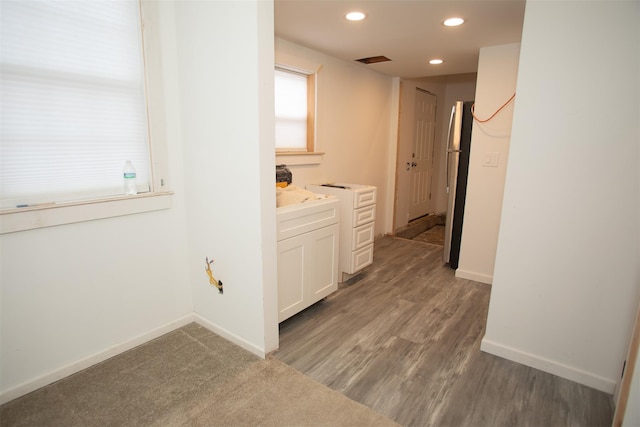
(293, 158)
(29, 218)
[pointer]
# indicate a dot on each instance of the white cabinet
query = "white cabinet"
(357, 226)
(307, 237)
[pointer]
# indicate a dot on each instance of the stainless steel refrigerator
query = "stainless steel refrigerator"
(458, 149)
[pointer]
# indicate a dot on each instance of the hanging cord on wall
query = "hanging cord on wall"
(493, 115)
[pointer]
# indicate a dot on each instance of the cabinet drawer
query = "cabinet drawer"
(364, 215)
(364, 197)
(304, 217)
(361, 258)
(362, 236)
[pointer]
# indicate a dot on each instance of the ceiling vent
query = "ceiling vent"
(373, 59)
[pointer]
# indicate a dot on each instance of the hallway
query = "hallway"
(404, 339)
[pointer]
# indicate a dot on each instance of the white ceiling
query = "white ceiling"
(409, 32)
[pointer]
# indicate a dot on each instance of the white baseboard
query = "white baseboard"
(241, 342)
(81, 364)
(551, 366)
(476, 277)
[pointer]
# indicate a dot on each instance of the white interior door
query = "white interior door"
(422, 155)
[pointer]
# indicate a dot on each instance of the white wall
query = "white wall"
(73, 295)
(356, 109)
(447, 90)
(225, 66)
(497, 73)
(72, 292)
(566, 276)
(76, 294)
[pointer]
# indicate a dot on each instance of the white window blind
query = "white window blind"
(73, 106)
(291, 110)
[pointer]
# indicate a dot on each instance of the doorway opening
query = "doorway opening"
(408, 220)
(421, 165)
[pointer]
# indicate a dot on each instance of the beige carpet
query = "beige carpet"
(188, 377)
(270, 393)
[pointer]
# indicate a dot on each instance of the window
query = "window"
(294, 111)
(73, 105)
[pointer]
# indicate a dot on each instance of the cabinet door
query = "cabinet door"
(323, 268)
(291, 276)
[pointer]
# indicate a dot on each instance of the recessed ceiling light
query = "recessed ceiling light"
(355, 16)
(453, 22)
(436, 61)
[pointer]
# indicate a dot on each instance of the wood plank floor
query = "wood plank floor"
(404, 340)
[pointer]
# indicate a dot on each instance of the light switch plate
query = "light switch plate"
(491, 160)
